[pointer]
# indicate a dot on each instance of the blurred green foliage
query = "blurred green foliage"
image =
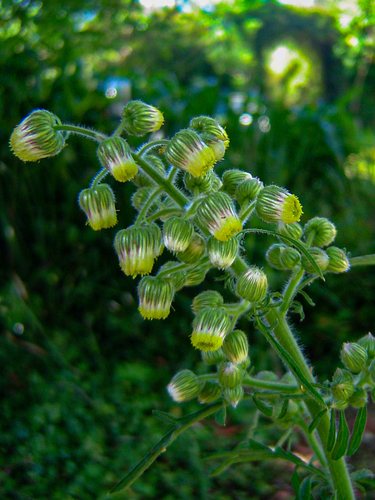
(81, 371)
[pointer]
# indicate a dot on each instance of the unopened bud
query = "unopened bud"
(211, 392)
(216, 212)
(294, 231)
(340, 404)
(184, 386)
(114, 154)
(207, 126)
(282, 257)
(276, 204)
(177, 234)
(140, 197)
(338, 261)
(342, 386)
(368, 342)
(359, 397)
(196, 275)
(199, 184)
(229, 375)
(187, 151)
(248, 190)
(232, 178)
(234, 396)
(372, 370)
(176, 276)
(35, 137)
(354, 356)
(222, 253)
(213, 357)
(245, 364)
(320, 257)
(208, 298)
(320, 232)
(236, 347)
(98, 203)
(194, 251)
(155, 297)
(140, 118)
(252, 284)
(209, 329)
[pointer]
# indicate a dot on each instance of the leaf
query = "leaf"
(316, 420)
(342, 438)
(296, 480)
(307, 298)
(358, 475)
(221, 415)
(263, 407)
(284, 410)
(281, 453)
(332, 431)
(166, 417)
(305, 489)
(358, 429)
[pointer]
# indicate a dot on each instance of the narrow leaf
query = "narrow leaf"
(166, 417)
(332, 431)
(263, 407)
(358, 475)
(221, 415)
(316, 420)
(296, 480)
(305, 489)
(342, 439)
(307, 298)
(287, 455)
(358, 429)
(284, 410)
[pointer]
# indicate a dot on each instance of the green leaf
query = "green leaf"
(287, 455)
(284, 410)
(307, 298)
(332, 431)
(305, 489)
(263, 407)
(221, 415)
(296, 480)
(166, 417)
(358, 429)
(358, 475)
(316, 420)
(342, 439)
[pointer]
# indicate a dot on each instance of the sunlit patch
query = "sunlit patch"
(298, 3)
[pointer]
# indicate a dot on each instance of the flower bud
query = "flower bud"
(252, 284)
(248, 190)
(222, 253)
(187, 151)
(229, 375)
(342, 386)
(114, 154)
(177, 234)
(155, 297)
(213, 357)
(195, 275)
(35, 137)
(359, 397)
(209, 298)
(209, 329)
(140, 118)
(98, 203)
(354, 356)
(207, 126)
(234, 396)
(236, 347)
(338, 261)
(282, 257)
(199, 184)
(245, 364)
(340, 404)
(320, 257)
(372, 370)
(368, 343)
(294, 231)
(176, 276)
(216, 182)
(140, 197)
(137, 248)
(184, 386)
(141, 179)
(321, 230)
(276, 204)
(216, 212)
(232, 178)
(194, 251)
(211, 392)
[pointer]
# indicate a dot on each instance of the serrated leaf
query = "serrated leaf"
(332, 431)
(284, 410)
(263, 407)
(305, 489)
(316, 420)
(221, 415)
(342, 438)
(166, 417)
(358, 429)
(296, 480)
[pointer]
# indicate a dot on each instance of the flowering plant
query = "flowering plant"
(202, 222)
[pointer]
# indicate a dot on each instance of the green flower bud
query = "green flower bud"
(229, 375)
(177, 277)
(217, 146)
(236, 347)
(213, 357)
(114, 154)
(233, 396)
(187, 151)
(368, 343)
(252, 284)
(321, 230)
(155, 297)
(216, 182)
(140, 197)
(35, 137)
(275, 204)
(216, 212)
(342, 386)
(177, 234)
(209, 329)
(222, 253)
(137, 248)
(207, 126)
(320, 257)
(245, 364)
(232, 178)
(211, 392)
(359, 398)
(194, 251)
(372, 370)
(282, 257)
(141, 179)
(209, 298)
(340, 404)
(196, 275)
(338, 261)
(184, 386)
(199, 184)
(248, 190)
(140, 118)
(98, 203)
(294, 231)
(354, 356)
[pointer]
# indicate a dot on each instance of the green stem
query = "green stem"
(245, 213)
(75, 129)
(143, 212)
(99, 177)
(164, 212)
(363, 260)
(119, 129)
(185, 267)
(291, 289)
(313, 442)
(267, 385)
(151, 145)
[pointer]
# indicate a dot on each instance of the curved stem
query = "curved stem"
(164, 212)
(143, 212)
(119, 129)
(290, 290)
(151, 145)
(99, 177)
(245, 213)
(75, 129)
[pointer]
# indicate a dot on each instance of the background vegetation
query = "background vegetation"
(80, 370)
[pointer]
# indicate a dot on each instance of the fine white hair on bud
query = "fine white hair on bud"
(98, 203)
(115, 155)
(184, 386)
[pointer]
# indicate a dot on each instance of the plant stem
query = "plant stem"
(75, 129)
(363, 260)
(99, 177)
(313, 442)
(290, 289)
(143, 212)
(151, 145)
